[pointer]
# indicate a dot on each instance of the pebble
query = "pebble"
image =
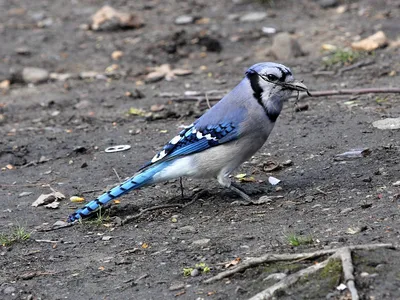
(106, 238)
(34, 75)
(201, 243)
(328, 3)
(23, 194)
(388, 123)
(397, 183)
(9, 290)
(364, 274)
(346, 210)
(23, 51)
(187, 229)
(176, 286)
(195, 272)
(253, 17)
(62, 76)
(184, 19)
(60, 224)
(287, 163)
(284, 46)
(275, 276)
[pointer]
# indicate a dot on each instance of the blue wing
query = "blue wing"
(194, 139)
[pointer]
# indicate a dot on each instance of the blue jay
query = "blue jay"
(219, 141)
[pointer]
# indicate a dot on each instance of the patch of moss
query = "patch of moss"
(341, 57)
(298, 240)
(332, 272)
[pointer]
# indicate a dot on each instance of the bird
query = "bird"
(218, 142)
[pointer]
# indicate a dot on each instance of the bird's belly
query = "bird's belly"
(225, 157)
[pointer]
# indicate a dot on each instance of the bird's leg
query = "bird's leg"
(181, 184)
(225, 181)
(246, 200)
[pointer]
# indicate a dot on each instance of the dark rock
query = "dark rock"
(328, 3)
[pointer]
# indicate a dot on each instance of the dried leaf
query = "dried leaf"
(233, 262)
(165, 71)
(48, 198)
(271, 165)
(109, 14)
(145, 245)
(76, 199)
(137, 112)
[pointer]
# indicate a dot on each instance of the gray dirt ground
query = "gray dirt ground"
(49, 122)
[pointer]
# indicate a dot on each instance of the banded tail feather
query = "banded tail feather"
(141, 179)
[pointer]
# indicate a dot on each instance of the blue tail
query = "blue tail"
(135, 182)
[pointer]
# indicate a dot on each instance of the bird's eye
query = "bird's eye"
(272, 77)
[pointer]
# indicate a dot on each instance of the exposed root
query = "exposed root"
(343, 253)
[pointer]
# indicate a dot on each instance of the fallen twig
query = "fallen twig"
(174, 205)
(355, 66)
(343, 253)
(349, 92)
(46, 241)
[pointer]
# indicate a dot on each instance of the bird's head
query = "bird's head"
(273, 77)
(272, 84)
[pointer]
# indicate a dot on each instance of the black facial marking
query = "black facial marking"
(255, 85)
(257, 93)
(282, 79)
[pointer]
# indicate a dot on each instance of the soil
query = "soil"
(55, 134)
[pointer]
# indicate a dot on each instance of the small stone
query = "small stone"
(287, 163)
(327, 3)
(176, 286)
(367, 179)
(364, 274)
(106, 238)
(34, 75)
(83, 104)
(285, 46)
(397, 183)
(380, 267)
(60, 224)
(88, 74)
(23, 51)
(195, 272)
(309, 199)
(253, 17)
(5, 84)
(373, 42)
(388, 123)
(62, 76)
(201, 243)
(346, 210)
(53, 205)
(187, 229)
(157, 107)
(269, 30)
(275, 276)
(9, 290)
(23, 194)
(117, 55)
(184, 19)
